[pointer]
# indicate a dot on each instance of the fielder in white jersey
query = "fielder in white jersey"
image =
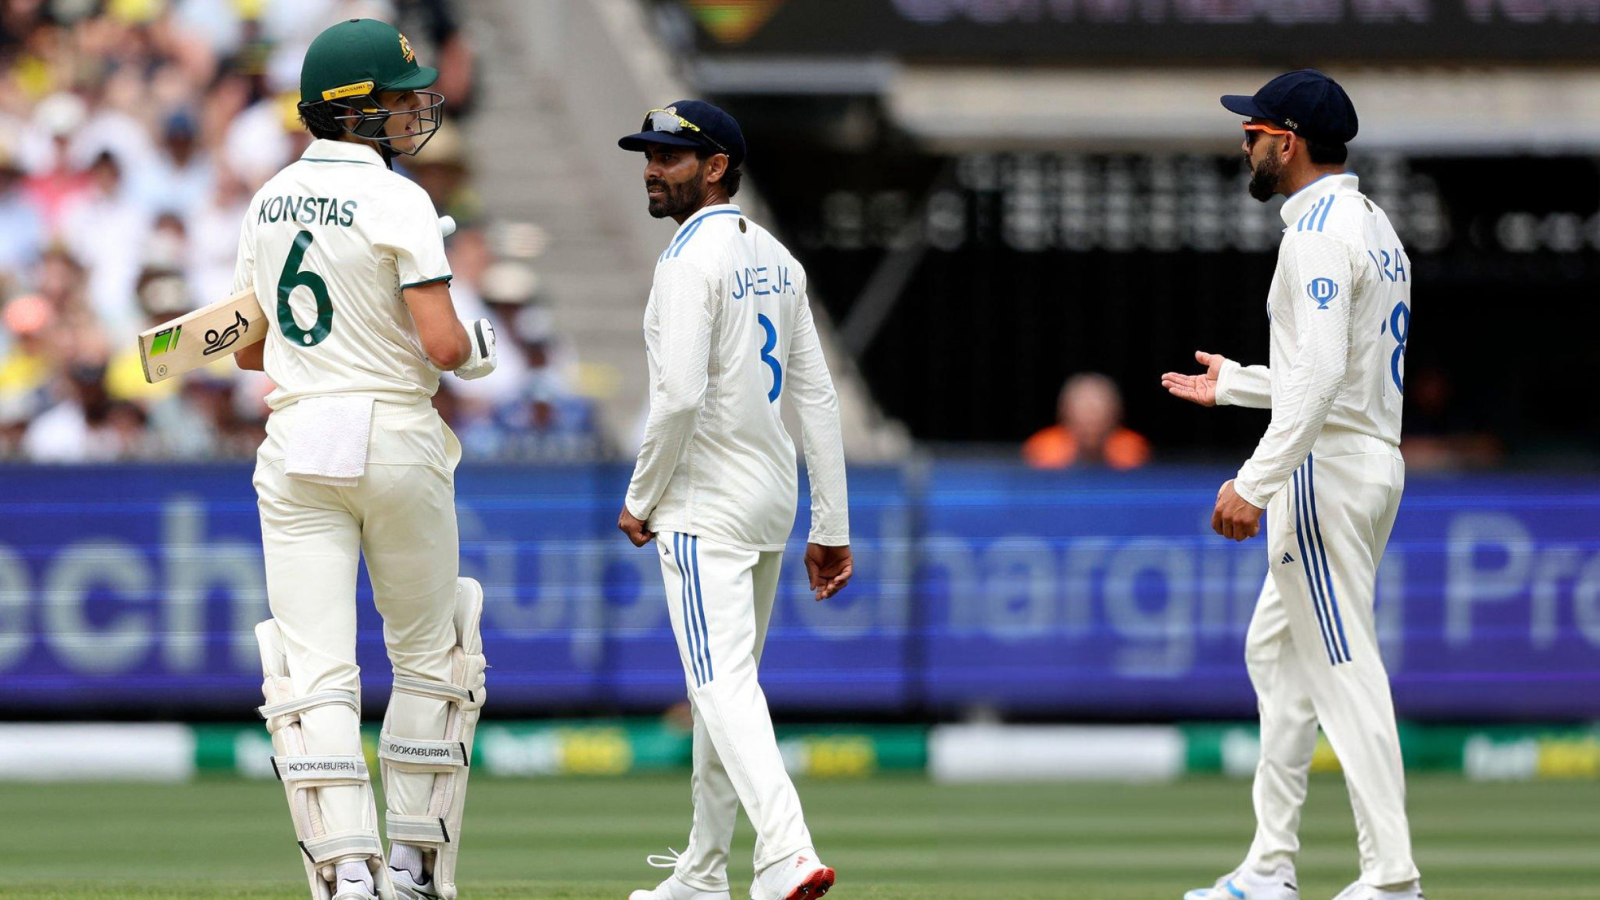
(1328, 474)
(729, 333)
(348, 263)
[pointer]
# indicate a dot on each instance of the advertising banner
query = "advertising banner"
(1140, 31)
(978, 586)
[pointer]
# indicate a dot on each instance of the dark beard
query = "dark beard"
(1264, 179)
(677, 201)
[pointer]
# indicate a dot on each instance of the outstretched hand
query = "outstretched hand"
(1202, 388)
(829, 569)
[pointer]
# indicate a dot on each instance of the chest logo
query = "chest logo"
(1322, 290)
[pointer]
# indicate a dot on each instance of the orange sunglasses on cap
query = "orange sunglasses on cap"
(1257, 126)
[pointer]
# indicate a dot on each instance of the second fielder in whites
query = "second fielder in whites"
(729, 332)
(1328, 475)
(348, 263)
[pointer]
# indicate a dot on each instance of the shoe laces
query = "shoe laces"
(663, 861)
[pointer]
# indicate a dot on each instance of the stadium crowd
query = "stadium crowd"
(133, 134)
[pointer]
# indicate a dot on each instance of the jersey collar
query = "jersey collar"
(703, 212)
(322, 150)
(1302, 200)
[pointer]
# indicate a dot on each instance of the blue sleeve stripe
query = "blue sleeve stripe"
(1323, 220)
(1309, 220)
(682, 240)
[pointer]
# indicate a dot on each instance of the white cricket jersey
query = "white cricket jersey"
(1340, 307)
(328, 245)
(728, 332)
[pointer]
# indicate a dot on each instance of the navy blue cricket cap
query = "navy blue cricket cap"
(690, 123)
(1306, 102)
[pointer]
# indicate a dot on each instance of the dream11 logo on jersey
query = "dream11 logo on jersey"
(1322, 290)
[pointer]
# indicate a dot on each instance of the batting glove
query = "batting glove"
(480, 335)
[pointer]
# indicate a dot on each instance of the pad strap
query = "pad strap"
(436, 690)
(325, 770)
(416, 829)
(413, 755)
(342, 844)
(310, 701)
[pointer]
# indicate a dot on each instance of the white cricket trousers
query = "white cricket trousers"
(1312, 652)
(402, 516)
(720, 599)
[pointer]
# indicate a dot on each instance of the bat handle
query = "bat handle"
(447, 225)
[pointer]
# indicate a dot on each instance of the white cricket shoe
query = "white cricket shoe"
(406, 886)
(800, 877)
(672, 888)
(1243, 884)
(1359, 891)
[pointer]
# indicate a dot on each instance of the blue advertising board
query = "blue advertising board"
(978, 586)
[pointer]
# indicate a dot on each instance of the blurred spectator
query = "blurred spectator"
(181, 177)
(441, 168)
(536, 414)
(57, 180)
(21, 228)
(80, 426)
(104, 229)
(1436, 437)
(29, 363)
(1088, 430)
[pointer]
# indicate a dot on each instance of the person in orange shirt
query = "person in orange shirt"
(1088, 431)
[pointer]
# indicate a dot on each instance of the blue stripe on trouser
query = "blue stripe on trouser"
(1322, 550)
(699, 602)
(1306, 561)
(691, 634)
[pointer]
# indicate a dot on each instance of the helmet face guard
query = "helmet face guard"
(365, 118)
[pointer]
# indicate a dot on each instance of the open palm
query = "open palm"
(1202, 388)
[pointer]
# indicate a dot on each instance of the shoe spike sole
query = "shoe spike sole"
(820, 882)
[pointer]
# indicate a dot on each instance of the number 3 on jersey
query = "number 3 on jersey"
(292, 277)
(766, 357)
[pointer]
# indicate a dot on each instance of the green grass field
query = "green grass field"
(890, 838)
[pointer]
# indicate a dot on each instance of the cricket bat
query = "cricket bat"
(209, 333)
(212, 332)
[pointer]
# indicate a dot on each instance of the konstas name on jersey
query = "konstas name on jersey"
(308, 211)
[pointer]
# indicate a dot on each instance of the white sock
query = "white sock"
(355, 870)
(408, 857)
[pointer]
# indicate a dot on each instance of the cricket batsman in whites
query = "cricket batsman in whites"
(1328, 474)
(348, 262)
(728, 333)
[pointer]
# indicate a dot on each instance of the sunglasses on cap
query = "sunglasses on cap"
(1251, 128)
(672, 123)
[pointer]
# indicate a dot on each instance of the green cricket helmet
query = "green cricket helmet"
(349, 64)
